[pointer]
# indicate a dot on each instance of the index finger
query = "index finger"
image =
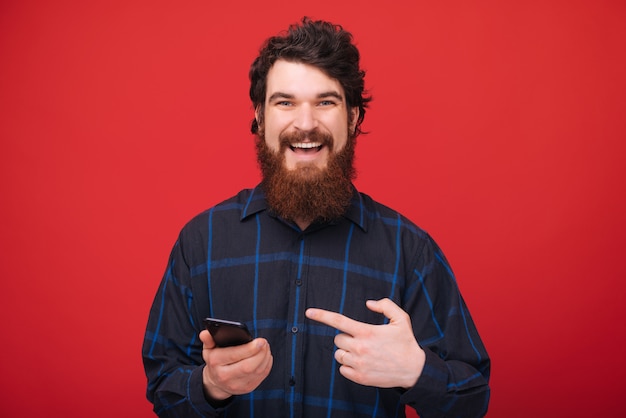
(335, 320)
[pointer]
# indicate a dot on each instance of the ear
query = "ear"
(258, 116)
(354, 116)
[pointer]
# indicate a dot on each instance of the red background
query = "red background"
(497, 126)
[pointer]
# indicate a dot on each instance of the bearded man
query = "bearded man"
(353, 309)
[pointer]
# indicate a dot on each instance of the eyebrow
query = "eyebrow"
(281, 95)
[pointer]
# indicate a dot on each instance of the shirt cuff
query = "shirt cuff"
(431, 387)
(199, 402)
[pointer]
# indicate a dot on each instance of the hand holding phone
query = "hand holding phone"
(227, 333)
(234, 370)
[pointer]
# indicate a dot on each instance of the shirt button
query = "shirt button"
(298, 282)
(294, 330)
(292, 381)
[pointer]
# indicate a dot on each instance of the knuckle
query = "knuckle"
(247, 368)
(219, 375)
(211, 362)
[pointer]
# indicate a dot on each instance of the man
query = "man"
(353, 309)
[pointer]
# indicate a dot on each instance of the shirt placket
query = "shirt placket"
(295, 337)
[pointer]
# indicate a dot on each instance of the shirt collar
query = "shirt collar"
(255, 202)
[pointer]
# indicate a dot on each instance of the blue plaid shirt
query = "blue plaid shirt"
(239, 261)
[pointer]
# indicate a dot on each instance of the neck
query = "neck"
(302, 223)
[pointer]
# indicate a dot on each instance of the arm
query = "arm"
(385, 356)
(172, 352)
(434, 354)
(187, 374)
(234, 370)
(455, 378)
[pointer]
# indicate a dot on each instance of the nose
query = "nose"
(305, 119)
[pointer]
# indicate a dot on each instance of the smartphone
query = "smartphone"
(227, 333)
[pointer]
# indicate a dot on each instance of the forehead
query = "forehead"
(300, 80)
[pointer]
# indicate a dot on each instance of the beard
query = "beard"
(307, 192)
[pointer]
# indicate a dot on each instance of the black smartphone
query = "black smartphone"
(227, 333)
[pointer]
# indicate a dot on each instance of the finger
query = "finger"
(343, 341)
(340, 356)
(264, 364)
(207, 339)
(388, 308)
(267, 364)
(237, 353)
(335, 320)
(228, 356)
(353, 374)
(254, 363)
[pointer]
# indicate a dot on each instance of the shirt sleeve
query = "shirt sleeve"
(455, 378)
(172, 350)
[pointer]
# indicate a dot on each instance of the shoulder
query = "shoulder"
(387, 223)
(382, 216)
(384, 221)
(227, 211)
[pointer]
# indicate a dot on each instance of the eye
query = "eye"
(284, 103)
(326, 103)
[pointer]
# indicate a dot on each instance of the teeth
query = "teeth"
(306, 145)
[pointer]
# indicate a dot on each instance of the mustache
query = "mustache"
(285, 139)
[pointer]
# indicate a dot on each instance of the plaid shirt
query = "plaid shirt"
(239, 261)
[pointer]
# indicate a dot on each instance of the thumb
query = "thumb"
(388, 308)
(207, 339)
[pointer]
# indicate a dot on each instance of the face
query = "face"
(306, 117)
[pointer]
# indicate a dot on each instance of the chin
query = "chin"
(299, 165)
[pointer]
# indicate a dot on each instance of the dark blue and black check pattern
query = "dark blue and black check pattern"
(240, 262)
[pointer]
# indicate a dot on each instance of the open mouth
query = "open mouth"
(306, 147)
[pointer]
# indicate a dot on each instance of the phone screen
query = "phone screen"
(227, 333)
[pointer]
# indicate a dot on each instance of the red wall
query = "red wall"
(497, 126)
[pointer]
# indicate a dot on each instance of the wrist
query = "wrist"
(213, 394)
(416, 370)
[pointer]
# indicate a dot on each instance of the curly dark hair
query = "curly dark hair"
(318, 43)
